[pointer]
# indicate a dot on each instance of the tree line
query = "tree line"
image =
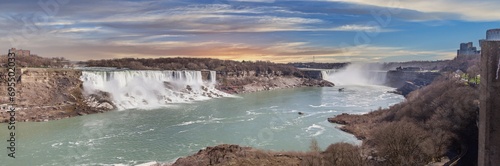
(179, 63)
(36, 61)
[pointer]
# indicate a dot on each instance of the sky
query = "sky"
(270, 30)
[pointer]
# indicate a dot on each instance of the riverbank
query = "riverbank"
(227, 155)
(436, 120)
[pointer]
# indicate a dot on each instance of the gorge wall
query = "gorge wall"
(253, 81)
(408, 81)
(46, 94)
(397, 78)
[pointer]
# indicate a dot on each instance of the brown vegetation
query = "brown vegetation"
(433, 120)
(36, 61)
(222, 66)
(225, 155)
(401, 143)
(319, 65)
(343, 154)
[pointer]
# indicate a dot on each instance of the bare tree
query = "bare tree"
(314, 147)
(343, 154)
(400, 143)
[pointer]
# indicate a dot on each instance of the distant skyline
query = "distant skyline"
(274, 30)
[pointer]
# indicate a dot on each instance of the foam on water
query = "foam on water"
(315, 130)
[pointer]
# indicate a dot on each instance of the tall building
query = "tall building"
(20, 52)
(489, 113)
(467, 50)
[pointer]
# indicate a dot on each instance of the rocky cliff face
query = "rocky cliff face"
(48, 94)
(397, 78)
(245, 84)
(236, 155)
(408, 81)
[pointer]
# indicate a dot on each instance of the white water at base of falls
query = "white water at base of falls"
(356, 74)
(143, 89)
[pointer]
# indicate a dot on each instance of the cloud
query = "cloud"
(355, 28)
(373, 53)
(279, 31)
(79, 30)
(484, 10)
(261, 1)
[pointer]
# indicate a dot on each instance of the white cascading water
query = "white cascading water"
(149, 89)
(356, 74)
(213, 77)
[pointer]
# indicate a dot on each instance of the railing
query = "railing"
(457, 158)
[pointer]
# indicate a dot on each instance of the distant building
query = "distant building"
(20, 52)
(467, 50)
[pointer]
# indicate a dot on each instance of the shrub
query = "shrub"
(314, 147)
(401, 143)
(343, 154)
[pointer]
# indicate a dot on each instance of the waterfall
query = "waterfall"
(148, 89)
(356, 74)
(213, 79)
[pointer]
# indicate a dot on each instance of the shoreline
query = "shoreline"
(345, 121)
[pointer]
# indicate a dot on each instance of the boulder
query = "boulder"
(407, 88)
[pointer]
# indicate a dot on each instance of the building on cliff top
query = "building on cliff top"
(467, 50)
(20, 52)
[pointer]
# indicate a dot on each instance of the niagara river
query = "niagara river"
(265, 120)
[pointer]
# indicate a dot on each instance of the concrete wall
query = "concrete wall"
(489, 114)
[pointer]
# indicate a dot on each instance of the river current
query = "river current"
(265, 120)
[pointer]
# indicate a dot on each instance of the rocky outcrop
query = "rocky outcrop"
(49, 94)
(407, 88)
(408, 81)
(99, 101)
(236, 155)
(245, 84)
(317, 83)
(398, 78)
